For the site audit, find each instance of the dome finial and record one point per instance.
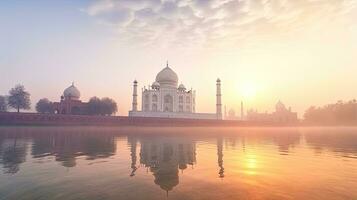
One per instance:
(72, 83)
(167, 63)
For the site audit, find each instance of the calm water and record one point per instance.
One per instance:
(178, 163)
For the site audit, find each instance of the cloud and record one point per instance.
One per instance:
(204, 22)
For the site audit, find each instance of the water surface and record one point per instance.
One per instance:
(177, 163)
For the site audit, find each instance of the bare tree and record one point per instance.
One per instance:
(19, 98)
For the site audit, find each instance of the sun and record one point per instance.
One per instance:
(248, 90)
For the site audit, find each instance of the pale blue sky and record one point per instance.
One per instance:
(302, 52)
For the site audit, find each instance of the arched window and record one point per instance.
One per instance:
(188, 100)
(154, 107)
(154, 98)
(168, 99)
(180, 99)
(168, 103)
(146, 97)
(180, 108)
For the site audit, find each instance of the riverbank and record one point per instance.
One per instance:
(37, 119)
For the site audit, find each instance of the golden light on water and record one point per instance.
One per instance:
(250, 164)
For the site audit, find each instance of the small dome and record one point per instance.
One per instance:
(167, 77)
(155, 85)
(181, 87)
(72, 93)
(280, 106)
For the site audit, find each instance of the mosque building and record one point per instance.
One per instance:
(165, 98)
(70, 102)
(280, 115)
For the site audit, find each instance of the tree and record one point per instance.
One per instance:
(104, 106)
(94, 106)
(340, 112)
(3, 104)
(44, 106)
(19, 98)
(108, 106)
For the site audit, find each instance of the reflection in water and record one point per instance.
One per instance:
(341, 140)
(12, 153)
(165, 156)
(247, 159)
(132, 142)
(66, 147)
(220, 156)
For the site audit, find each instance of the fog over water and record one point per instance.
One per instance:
(177, 163)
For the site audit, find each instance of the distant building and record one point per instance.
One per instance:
(281, 115)
(70, 103)
(166, 99)
(231, 115)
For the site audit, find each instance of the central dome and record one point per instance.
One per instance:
(72, 93)
(167, 77)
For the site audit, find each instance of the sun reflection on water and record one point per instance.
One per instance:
(250, 164)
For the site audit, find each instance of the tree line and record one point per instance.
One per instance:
(19, 99)
(95, 106)
(340, 112)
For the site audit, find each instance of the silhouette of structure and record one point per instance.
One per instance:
(281, 115)
(241, 111)
(231, 115)
(70, 102)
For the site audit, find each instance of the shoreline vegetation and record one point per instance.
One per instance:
(38, 119)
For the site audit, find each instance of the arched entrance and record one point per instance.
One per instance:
(168, 103)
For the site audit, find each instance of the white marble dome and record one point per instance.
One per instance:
(182, 87)
(72, 93)
(155, 85)
(167, 77)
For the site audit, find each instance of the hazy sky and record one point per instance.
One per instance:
(302, 52)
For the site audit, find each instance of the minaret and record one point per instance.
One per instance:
(225, 112)
(135, 96)
(219, 100)
(241, 110)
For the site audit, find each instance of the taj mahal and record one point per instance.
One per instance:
(166, 99)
